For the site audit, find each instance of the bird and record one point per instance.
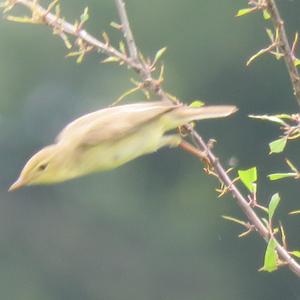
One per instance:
(110, 137)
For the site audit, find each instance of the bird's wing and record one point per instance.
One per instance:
(112, 123)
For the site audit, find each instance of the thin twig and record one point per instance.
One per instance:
(145, 70)
(245, 207)
(120, 4)
(285, 47)
(192, 150)
(154, 86)
(59, 24)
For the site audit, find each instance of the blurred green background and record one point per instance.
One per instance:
(151, 229)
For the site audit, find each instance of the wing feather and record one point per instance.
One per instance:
(112, 123)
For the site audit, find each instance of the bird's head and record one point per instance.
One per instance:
(41, 168)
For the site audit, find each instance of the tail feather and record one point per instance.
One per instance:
(186, 114)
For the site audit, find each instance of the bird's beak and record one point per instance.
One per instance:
(17, 184)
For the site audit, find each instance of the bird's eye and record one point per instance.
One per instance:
(42, 167)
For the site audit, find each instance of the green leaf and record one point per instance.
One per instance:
(110, 59)
(271, 257)
(85, 16)
(122, 47)
(275, 119)
(297, 62)
(66, 41)
(295, 253)
(197, 103)
(266, 14)
(75, 53)
(159, 54)
(277, 176)
(278, 146)
(244, 11)
(295, 212)
(80, 58)
(24, 19)
(249, 177)
(270, 34)
(115, 25)
(285, 116)
(273, 205)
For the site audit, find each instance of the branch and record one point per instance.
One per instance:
(144, 70)
(61, 26)
(120, 4)
(285, 47)
(245, 206)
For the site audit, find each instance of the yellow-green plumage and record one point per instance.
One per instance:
(110, 137)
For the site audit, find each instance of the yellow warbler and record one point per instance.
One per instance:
(107, 138)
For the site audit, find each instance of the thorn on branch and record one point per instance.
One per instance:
(50, 7)
(116, 25)
(249, 227)
(283, 236)
(247, 232)
(8, 5)
(275, 44)
(224, 189)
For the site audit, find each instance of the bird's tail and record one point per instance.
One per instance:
(186, 114)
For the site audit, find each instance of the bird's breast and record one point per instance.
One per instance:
(112, 154)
